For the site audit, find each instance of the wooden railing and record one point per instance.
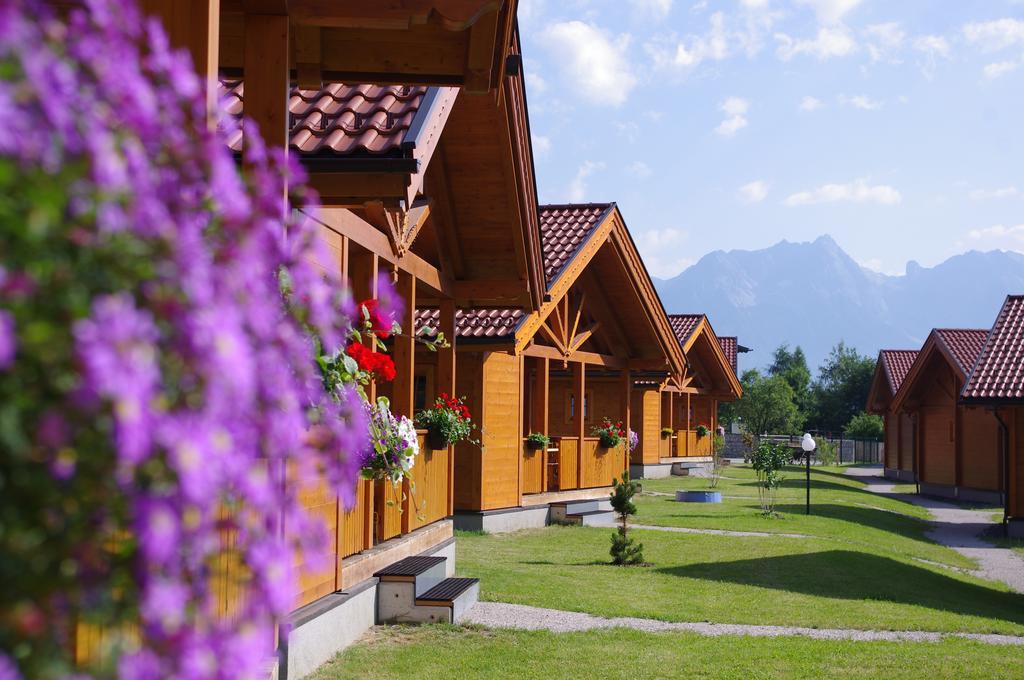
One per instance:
(600, 466)
(428, 491)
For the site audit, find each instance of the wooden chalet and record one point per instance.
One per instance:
(410, 118)
(890, 371)
(558, 371)
(996, 384)
(956, 446)
(674, 410)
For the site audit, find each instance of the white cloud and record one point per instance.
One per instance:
(884, 40)
(860, 101)
(639, 169)
(735, 110)
(999, 69)
(594, 63)
(755, 192)
(578, 185)
(535, 83)
(830, 11)
(858, 191)
(541, 144)
(988, 194)
(809, 103)
(629, 129)
(726, 36)
(663, 251)
(934, 45)
(755, 4)
(828, 43)
(1000, 236)
(995, 35)
(656, 9)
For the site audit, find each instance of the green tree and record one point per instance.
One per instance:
(768, 405)
(624, 549)
(865, 426)
(844, 381)
(792, 367)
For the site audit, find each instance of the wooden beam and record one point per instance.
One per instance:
(579, 383)
(404, 352)
(363, 266)
(603, 360)
(308, 68)
(447, 228)
(415, 218)
(494, 291)
(354, 189)
(193, 25)
(541, 411)
(347, 223)
(267, 80)
(446, 381)
(480, 54)
(626, 395)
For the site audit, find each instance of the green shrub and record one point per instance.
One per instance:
(828, 452)
(624, 549)
(768, 460)
(865, 426)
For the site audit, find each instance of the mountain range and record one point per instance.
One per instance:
(814, 295)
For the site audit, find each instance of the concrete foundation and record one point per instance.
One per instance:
(650, 471)
(899, 475)
(1015, 527)
(504, 520)
(962, 494)
(323, 628)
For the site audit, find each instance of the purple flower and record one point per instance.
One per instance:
(8, 671)
(8, 342)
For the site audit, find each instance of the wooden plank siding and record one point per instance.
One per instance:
(907, 438)
(428, 489)
(534, 461)
(981, 446)
(938, 447)
(647, 423)
(568, 458)
(357, 523)
(1014, 419)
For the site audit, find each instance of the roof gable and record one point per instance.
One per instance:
(998, 374)
(958, 347)
(684, 326)
(564, 230)
(891, 370)
(697, 339)
(729, 347)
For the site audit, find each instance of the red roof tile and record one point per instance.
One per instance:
(999, 372)
(476, 323)
(897, 363)
(964, 344)
(563, 231)
(728, 344)
(683, 325)
(341, 119)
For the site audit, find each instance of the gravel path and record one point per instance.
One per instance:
(959, 528)
(713, 532)
(503, 615)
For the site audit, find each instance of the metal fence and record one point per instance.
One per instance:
(848, 451)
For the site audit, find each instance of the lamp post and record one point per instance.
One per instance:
(808, 445)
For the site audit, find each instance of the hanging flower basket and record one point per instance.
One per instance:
(666, 432)
(436, 439)
(394, 444)
(447, 422)
(702, 431)
(536, 441)
(610, 434)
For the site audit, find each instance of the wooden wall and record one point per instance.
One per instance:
(979, 439)
(892, 440)
(938, 448)
(1014, 419)
(489, 479)
(646, 420)
(907, 442)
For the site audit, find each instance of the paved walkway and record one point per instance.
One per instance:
(959, 528)
(503, 615)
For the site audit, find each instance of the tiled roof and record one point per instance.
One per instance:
(476, 323)
(964, 344)
(728, 344)
(999, 371)
(897, 363)
(564, 229)
(340, 119)
(683, 325)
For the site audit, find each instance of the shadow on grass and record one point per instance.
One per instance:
(848, 575)
(884, 520)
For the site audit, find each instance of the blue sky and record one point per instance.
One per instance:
(896, 127)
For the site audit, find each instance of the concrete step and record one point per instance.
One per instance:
(452, 597)
(423, 572)
(562, 510)
(596, 518)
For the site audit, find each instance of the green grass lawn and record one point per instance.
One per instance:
(456, 652)
(841, 511)
(865, 565)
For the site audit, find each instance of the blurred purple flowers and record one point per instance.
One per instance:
(185, 344)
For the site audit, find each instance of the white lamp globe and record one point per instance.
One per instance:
(807, 443)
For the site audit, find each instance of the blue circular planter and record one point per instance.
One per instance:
(699, 496)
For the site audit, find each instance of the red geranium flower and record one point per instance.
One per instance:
(380, 325)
